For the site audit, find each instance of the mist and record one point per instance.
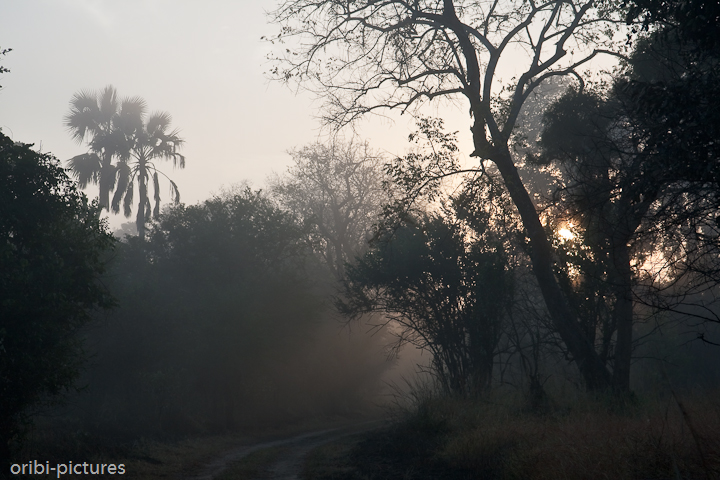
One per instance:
(276, 240)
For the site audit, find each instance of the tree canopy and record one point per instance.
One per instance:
(121, 130)
(53, 247)
(363, 57)
(220, 326)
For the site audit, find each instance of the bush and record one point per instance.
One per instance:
(52, 247)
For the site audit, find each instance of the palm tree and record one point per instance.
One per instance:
(149, 141)
(118, 130)
(98, 119)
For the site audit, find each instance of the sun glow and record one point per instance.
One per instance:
(566, 234)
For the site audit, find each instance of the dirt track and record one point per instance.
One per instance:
(289, 465)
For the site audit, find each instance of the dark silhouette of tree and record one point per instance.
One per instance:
(642, 180)
(149, 141)
(120, 130)
(696, 19)
(437, 270)
(104, 122)
(3, 52)
(52, 250)
(223, 323)
(447, 294)
(362, 57)
(608, 192)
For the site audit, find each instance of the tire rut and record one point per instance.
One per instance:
(290, 463)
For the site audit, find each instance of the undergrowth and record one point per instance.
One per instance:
(584, 437)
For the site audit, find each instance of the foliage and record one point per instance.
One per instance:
(367, 56)
(446, 293)
(220, 327)
(419, 175)
(640, 184)
(52, 253)
(3, 52)
(121, 130)
(695, 18)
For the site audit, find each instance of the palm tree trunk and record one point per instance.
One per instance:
(107, 179)
(140, 220)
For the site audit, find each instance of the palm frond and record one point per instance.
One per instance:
(178, 160)
(118, 143)
(174, 192)
(83, 117)
(156, 186)
(108, 103)
(108, 176)
(157, 123)
(135, 106)
(84, 99)
(131, 116)
(85, 168)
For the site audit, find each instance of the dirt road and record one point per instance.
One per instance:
(288, 465)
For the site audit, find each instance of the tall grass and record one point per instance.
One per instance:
(586, 438)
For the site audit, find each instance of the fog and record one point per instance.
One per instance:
(245, 268)
(155, 366)
(205, 64)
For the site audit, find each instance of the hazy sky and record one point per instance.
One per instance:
(202, 62)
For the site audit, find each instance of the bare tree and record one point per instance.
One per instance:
(366, 56)
(336, 190)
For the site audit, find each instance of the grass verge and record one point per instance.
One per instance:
(441, 438)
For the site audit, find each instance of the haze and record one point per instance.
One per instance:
(203, 62)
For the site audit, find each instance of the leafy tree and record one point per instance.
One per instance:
(52, 249)
(447, 294)
(220, 326)
(640, 175)
(696, 19)
(365, 56)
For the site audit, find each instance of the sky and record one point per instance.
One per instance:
(203, 62)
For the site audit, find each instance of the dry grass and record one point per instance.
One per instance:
(496, 438)
(591, 441)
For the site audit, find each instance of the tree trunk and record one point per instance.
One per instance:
(140, 221)
(107, 178)
(593, 370)
(624, 318)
